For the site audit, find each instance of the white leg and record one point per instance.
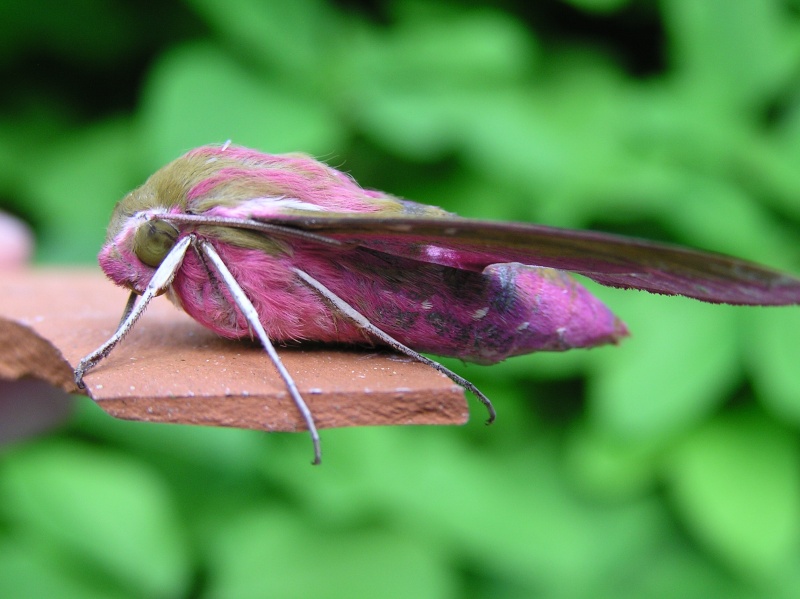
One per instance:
(161, 280)
(361, 321)
(251, 315)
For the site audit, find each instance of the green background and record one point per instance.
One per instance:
(667, 467)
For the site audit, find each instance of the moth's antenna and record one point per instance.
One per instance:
(251, 315)
(161, 279)
(363, 322)
(248, 224)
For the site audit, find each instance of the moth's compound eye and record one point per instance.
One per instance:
(153, 241)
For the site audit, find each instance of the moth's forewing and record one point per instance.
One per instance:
(612, 260)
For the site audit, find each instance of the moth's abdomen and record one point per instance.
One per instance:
(506, 310)
(539, 309)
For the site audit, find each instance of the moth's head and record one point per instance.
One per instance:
(135, 248)
(135, 245)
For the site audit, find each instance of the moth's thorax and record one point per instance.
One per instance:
(229, 182)
(165, 191)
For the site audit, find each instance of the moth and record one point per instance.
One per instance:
(286, 248)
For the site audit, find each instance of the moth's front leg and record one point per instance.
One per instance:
(158, 284)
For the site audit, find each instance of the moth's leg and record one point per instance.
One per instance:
(361, 321)
(128, 308)
(159, 283)
(251, 315)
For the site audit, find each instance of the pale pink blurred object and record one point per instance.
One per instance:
(16, 242)
(28, 407)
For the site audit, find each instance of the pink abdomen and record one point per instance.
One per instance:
(506, 310)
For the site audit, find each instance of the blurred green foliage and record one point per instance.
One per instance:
(667, 467)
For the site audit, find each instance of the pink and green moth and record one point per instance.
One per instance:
(286, 248)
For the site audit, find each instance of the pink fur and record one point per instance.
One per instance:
(293, 176)
(119, 262)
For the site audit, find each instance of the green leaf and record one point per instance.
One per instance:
(720, 216)
(417, 88)
(772, 165)
(676, 368)
(77, 181)
(547, 137)
(99, 508)
(600, 6)
(210, 450)
(83, 31)
(772, 356)
(196, 95)
(514, 140)
(416, 124)
(676, 568)
(272, 553)
(28, 572)
(483, 507)
(607, 467)
(438, 45)
(734, 53)
(294, 35)
(736, 484)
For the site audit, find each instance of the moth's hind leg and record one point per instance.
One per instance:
(347, 311)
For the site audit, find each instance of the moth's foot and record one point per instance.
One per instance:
(79, 378)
